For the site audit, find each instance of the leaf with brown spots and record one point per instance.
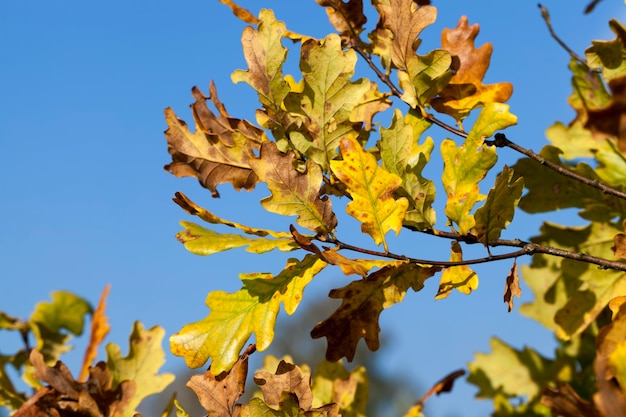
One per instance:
(363, 301)
(219, 150)
(371, 188)
(466, 90)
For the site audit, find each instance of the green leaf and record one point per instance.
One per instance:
(512, 373)
(609, 55)
(612, 167)
(425, 77)
(66, 311)
(265, 56)
(141, 365)
(573, 140)
(371, 188)
(362, 303)
(550, 191)
(497, 212)
(569, 294)
(466, 165)
(201, 241)
(294, 193)
(403, 156)
(328, 99)
(9, 396)
(234, 317)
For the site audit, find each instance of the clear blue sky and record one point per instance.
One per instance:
(85, 200)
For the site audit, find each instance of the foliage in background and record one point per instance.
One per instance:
(317, 147)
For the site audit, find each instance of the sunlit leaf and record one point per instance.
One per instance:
(371, 188)
(425, 76)
(201, 241)
(460, 278)
(327, 100)
(192, 208)
(265, 56)
(466, 90)
(610, 56)
(234, 317)
(141, 365)
(362, 303)
(294, 193)
(286, 378)
(466, 165)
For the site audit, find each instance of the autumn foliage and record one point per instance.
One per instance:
(316, 145)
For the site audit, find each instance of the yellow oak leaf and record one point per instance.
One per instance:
(466, 90)
(371, 188)
(218, 151)
(235, 316)
(466, 165)
(461, 277)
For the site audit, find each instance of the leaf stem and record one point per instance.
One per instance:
(501, 141)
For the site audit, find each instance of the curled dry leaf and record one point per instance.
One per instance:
(512, 287)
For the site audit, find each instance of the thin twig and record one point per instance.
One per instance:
(501, 141)
(546, 18)
(526, 248)
(396, 92)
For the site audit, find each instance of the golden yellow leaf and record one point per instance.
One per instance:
(371, 188)
(461, 277)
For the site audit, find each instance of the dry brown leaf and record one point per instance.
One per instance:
(64, 396)
(565, 402)
(218, 395)
(619, 243)
(218, 151)
(396, 35)
(512, 287)
(99, 329)
(346, 17)
(287, 378)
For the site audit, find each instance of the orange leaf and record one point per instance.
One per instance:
(619, 247)
(466, 90)
(99, 329)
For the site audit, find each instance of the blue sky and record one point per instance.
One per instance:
(85, 200)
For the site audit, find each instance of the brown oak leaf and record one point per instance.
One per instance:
(218, 395)
(218, 151)
(363, 301)
(287, 378)
(512, 287)
(347, 17)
